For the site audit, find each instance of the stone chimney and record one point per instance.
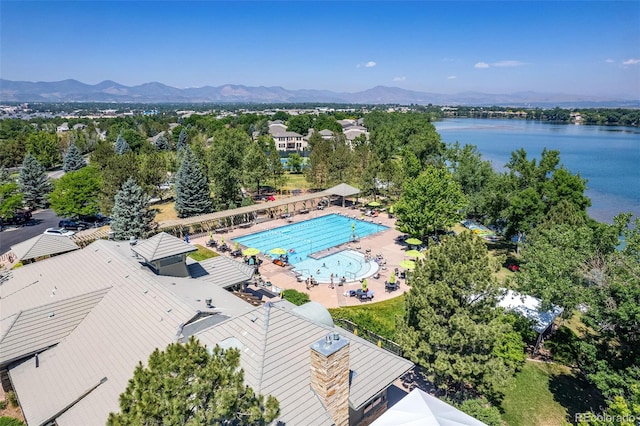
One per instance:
(330, 375)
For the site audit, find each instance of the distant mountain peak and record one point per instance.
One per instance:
(71, 90)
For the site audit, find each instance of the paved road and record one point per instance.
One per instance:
(40, 221)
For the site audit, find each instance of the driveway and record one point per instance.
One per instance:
(41, 220)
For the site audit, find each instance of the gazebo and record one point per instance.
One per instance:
(343, 190)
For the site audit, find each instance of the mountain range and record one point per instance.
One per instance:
(110, 91)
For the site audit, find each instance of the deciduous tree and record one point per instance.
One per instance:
(10, 199)
(225, 165)
(45, 148)
(429, 202)
(255, 165)
(76, 193)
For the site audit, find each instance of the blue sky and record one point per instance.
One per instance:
(572, 47)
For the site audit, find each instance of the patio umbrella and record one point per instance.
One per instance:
(392, 279)
(364, 284)
(250, 251)
(235, 246)
(408, 264)
(413, 241)
(278, 251)
(414, 253)
(374, 204)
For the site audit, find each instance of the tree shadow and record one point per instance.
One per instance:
(575, 394)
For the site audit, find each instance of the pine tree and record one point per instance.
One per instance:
(162, 144)
(73, 159)
(188, 385)
(131, 216)
(451, 326)
(34, 183)
(182, 140)
(121, 145)
(193, 196)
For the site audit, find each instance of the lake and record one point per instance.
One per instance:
(608, 157)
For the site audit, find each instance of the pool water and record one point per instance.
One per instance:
(307, 243)
(349, 264)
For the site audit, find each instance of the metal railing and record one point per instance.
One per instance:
(376, 339)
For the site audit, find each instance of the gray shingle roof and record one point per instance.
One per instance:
(43, 245)
(136, 315)
(38, 328)
(140, 311)
(343, 190)
(276, 360)
(162, 245)
(221, 271)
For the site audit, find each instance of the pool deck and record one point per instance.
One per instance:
(381, 243)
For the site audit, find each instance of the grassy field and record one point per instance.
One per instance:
(165, 211)
(546, 394)
(379, 317)
(202, 253)
(296, 181)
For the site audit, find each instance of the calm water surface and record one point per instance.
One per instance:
(608, 157)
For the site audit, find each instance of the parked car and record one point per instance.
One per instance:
(58, 231)
(95, 221)
(73, 224)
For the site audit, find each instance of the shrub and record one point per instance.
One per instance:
(12, 398)
(482, 410)
(10, 421)
(3, 404)
(296, 297)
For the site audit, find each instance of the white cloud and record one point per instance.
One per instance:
(508, 64)
(609, 60)
(370, 64)
(631, 61)
(400, 78)
(451, 77)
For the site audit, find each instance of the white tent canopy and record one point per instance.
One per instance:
(529, 307)
(419, 408)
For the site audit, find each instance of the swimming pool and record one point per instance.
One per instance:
(306, 241)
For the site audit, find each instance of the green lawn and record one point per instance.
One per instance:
(379, 317)
(546, 394)
(202, 253)
(296, 181)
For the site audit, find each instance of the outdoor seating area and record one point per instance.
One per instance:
(361, 294)
(389, 287)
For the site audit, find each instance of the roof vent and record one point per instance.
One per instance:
(208, 302)
(133, 241)
(51, 314)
